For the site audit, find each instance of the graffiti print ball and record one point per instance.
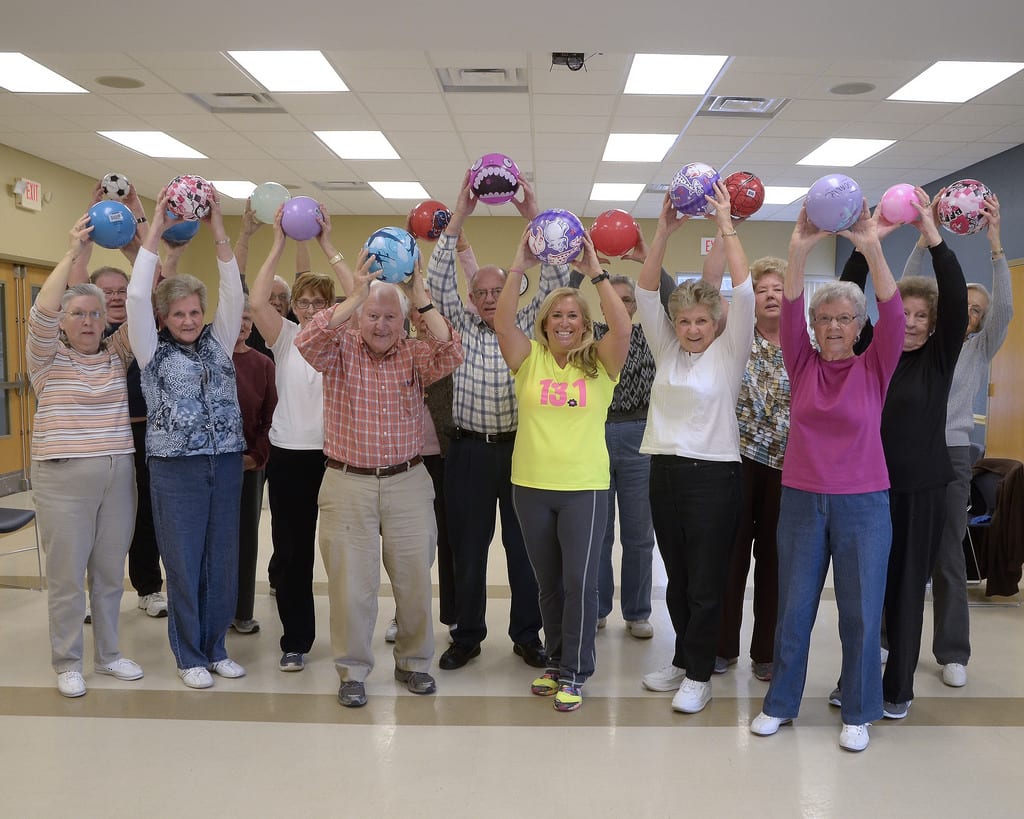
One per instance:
(960, 207)
(396, 253)
(188, 196)
(555, 236)
(689, 187)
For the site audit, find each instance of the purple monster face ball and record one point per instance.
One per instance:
(494, 179)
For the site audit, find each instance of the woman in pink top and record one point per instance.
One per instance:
(835, 498)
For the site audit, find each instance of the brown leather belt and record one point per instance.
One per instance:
(376, 471)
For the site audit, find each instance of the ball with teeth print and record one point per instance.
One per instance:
(494, 179)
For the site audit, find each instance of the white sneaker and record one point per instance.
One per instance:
(954, 675)
(668, 678)
(884, 655)
(854, 737)
(228, 668)
(123, 669)
(765, 726)
(602, 622)
(641, 629)
(155, 604)
(692, 696)
(196, 677)
(391, 634)
(71, 683)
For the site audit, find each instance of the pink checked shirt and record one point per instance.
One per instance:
(373, 407)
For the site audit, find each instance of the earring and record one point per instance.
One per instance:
(857, 338)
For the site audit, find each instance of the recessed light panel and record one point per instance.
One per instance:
(23, 75)
(358, 144)
(400, 190)
(672, 73)
(302, 71)
(616, 191)
(783, 194)
(637, 147)
(845, 153)
(153, 143)
(952, 81)
(235, 188)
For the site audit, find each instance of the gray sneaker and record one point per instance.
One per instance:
(352, 694)
(418, 682)
(896, 710)
(291, 661)
(836, 697)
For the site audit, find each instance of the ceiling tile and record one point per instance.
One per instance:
(484, 102)
(248, 123)
(404, 103)
(381, 78)
(589, 105)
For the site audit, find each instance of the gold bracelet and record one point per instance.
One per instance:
(726, 235)
(222, 241)
(998, 252)
(337, 257)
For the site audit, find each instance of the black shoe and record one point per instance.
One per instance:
(457, 656)
(532, 653)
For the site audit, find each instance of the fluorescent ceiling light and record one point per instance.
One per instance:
(23, 75)
(672, 73)
(153, 143)
(637, 147)
(845, 153)
(358, 144)
(951, 81)
(616, 191)
(235, 188)
(782, 194)
(400, 190)
(290, 70)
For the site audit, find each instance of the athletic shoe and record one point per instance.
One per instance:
(227, 668)
(291, 661)
(896, 710)
(196, 677)
(765, 726)
(71, 683)
(391, 632)
(88, 617)
(352, 694)
(854, 737)
(668, 678)
(641, 629)
(602, 622)
(418, 682)
(884, 655)
(546, 684)
(249, 626)
(836, 697)
(722, 664)
(155, 604)
(692, 696)
(763, 671)
(123, 669)
(569, 697)
(954, 675)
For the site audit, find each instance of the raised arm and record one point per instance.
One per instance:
(1000, 310)
(805, 236)
(669, 221)
(418, 298)
(250, 224)
(735, 255)
(230, 296)
(335, 259)
(514, 343)
(865, 235)
(614, 345)
(56, 283)
(441, 269)
(264, 315)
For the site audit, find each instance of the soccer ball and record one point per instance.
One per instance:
(960, 207)
(115, 186)
(690, 186)
(189, 196)
(555, 236)
(746, 194)
(396, 253)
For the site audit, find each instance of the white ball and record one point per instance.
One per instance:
(115, 186)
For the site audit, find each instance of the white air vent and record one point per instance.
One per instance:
(238, 103)
(751, 107)
(342, 185)
(508, 78)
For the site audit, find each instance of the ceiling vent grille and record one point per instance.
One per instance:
(238, 103)
(747, 107)
(342, 185)
(508, 79)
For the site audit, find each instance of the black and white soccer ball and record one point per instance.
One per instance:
(115, 186)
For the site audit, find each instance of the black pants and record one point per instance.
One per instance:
(143, 554)
(248, 541)
(445, 561)
(294, 477)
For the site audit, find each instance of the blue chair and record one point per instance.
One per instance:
(11, 520)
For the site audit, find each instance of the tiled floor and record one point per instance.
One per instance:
(276, 744)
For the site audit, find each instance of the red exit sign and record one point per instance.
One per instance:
(30, 194)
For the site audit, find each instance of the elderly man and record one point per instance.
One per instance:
(479, 464)
(376, 497)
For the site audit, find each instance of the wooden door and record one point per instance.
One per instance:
(1004, 437)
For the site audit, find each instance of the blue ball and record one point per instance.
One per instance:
(180, 232)
(396, 253)
(113, 225)
(555, 236)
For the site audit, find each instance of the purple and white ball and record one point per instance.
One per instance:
(834, 202)
(689, 187)
(555, 236)
(494, 179)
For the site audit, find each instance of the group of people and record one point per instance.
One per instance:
(721, 428)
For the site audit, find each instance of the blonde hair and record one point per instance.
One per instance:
(694, 293)
(767, 265)
(584, 356)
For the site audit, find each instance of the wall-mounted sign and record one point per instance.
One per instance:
(28, 194)
(706, 243)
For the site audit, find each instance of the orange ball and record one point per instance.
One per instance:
(429, 219)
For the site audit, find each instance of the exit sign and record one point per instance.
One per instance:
(706, 243)
(29, 194)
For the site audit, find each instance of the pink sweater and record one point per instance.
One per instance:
(835, 447)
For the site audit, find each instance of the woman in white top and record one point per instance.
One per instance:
(693, 439)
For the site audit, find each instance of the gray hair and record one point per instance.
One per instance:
(988, 299)
(287, 287)
(87, 289)
(618, 278)
(376, 286)
(834, 291)
(693, 293)
(108, 270)
(175, 289)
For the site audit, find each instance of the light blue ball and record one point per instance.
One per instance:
(396, 253)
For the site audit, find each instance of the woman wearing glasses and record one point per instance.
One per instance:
(835, 498)
(296, 465)
(83, 475)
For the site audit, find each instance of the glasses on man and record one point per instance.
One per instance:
(111, 293)
(494, 292)
(843, 320)
(305, 304)
(80, 315)
(278, 297)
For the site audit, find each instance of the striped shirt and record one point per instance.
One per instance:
(81, 400)
(373, 407)
(484, 390)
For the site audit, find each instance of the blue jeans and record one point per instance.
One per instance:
(630, 480)
(855, 532)
(195, 508)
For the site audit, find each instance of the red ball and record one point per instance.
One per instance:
(746, 192)
(429, 219)
(614, 232)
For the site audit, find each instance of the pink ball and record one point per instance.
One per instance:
(898, 204)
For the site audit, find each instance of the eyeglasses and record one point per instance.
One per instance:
(494, 292)
(843, 321)
(111, 293)
(278, 297)
(305, 304)
(80, 315)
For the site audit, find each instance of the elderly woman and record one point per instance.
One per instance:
(83, 477)
(564, 381)
(835, 500)
(194, 443)
(694, 443)
(296, 466)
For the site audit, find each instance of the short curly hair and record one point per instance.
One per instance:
(693, 293)
(921, 287)
(176, 288)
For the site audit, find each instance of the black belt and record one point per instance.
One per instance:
(376, 471)
(486, 437)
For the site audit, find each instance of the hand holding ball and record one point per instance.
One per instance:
(301, 218)
(960, 207)
(689, 187)
(189, 197)
(494, 179)
(113, 225)
(746, 194)
(555, 236)
(897, 204)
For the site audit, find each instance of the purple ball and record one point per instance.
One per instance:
(834, 202)
(300, 218)
(690, 186)
(494, 179)
(556, 236)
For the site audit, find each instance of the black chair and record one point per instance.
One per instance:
(11, 520)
